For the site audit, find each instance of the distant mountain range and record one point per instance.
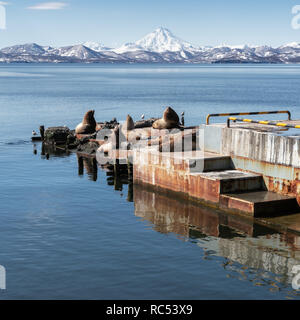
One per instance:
(160, 46)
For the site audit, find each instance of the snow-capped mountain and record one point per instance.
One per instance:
(96, 46)
(29, 48)
(159, 46)
(160, 40)
(289, 52)
(78, 51)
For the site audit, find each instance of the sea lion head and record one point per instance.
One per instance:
(89, 118)
(129, 124)
(170, 115)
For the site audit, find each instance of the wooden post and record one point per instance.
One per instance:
(42, 132)
(117, 167)
(172, 144)
(194, 139)
(130, 170)
(160, 143)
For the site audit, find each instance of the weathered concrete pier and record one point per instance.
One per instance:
(241, 166)
(245, 169)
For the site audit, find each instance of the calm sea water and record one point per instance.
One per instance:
(65, 235)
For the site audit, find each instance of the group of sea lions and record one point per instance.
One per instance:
(169, 120)
(123, 135)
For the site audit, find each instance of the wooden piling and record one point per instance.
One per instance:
(130, 170)
(42, 132)
(117, 167)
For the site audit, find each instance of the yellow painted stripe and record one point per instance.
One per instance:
(264, 122)
(232, 118)
(247, 120)
(281, 124)
(298, 126)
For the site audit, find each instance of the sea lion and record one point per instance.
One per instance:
(127, 132)
(145, 123)
(169, 120)
(128, 125)
(88, 124)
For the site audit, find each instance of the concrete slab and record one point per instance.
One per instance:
(189, 161)
(260, 203)
(229, 175)
(234, 180)
(260, 196)
(204, 161)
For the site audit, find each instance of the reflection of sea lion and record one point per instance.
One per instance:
(169, 120)
(88, 124)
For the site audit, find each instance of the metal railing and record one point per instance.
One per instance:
(245, 114)
(270, 123)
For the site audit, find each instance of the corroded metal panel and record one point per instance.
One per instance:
(277, 178)
(228, 202)
(204, 189)
(261, 146)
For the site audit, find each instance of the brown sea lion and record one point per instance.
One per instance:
(169, 120)
(88, 124)
(127, 128)
(128, 125)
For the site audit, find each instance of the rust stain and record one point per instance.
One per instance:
(163, 171)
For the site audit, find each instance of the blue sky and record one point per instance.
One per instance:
(113, 23)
